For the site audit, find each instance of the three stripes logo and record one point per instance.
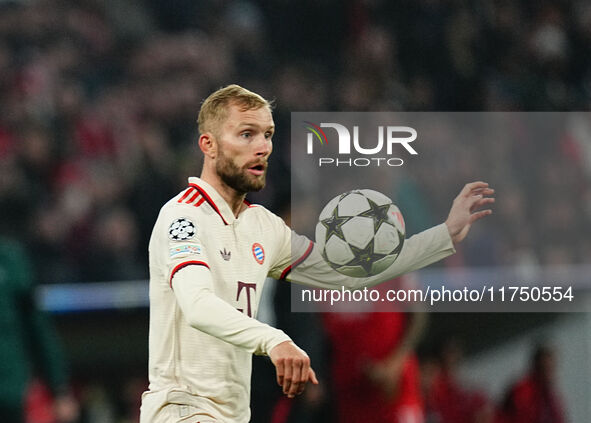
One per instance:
(192, 196)
(258, 253)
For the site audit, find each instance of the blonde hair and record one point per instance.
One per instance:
(214, 108)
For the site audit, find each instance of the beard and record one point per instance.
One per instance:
(238, 178)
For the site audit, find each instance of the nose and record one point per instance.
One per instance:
(264, 147)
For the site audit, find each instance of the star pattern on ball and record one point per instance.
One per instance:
(398, 249)
(365, 257)
(334, 223)
(378, 213)
(351, 244)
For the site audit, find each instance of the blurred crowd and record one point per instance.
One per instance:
(99, 102)
(531, 397)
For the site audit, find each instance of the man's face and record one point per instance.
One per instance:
(244, 145)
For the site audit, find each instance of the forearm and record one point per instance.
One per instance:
(208, 313)
(420, 250)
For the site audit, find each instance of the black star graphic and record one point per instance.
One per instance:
(365, 257)
(379, 214)
(333, 224)
(398, 249)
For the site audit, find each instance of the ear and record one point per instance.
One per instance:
(208, 144)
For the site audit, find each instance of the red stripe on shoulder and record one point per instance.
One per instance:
(192, 198)
(186, 194)
(209, 200)
(297, 262)
(183, 265)
(201, 201)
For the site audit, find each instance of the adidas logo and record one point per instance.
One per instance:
(226, 254)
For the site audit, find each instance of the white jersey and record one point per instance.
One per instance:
(197, 231)
(207, 270)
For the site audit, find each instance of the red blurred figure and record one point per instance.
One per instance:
(375, 371)
(447, 400)
(534, 399)
(43, 407)
(38, 404)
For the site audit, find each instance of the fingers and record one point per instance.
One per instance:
(482, 192)
(308, 376)
(478, 201)
(280, 366)
(479, 215)
(288, 375)
(298, 379)
(297, 383)
(469, 188)
(466, 207)
(305, 376)
(481, 202)
(472, 192)
(293, 368)
(312, 376)
(293, 374)
(297, 373)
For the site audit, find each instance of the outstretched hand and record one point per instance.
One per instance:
(465, 209)
(293, 368)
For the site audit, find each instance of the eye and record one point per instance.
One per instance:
(268, 135)
(246, 134)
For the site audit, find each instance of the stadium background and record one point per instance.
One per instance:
(97, 131)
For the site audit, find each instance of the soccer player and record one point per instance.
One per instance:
(210, 252)
(28, 342)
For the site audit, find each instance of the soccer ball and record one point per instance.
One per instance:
(360, 233)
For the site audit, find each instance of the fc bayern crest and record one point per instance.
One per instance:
(181, 230)
(258, 252)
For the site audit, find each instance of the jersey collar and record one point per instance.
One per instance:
(214, 199)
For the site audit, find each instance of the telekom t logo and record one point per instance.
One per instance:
(248, 286)
(388, 135)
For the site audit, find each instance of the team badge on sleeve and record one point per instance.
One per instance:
(258, 253)
(181, 230)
